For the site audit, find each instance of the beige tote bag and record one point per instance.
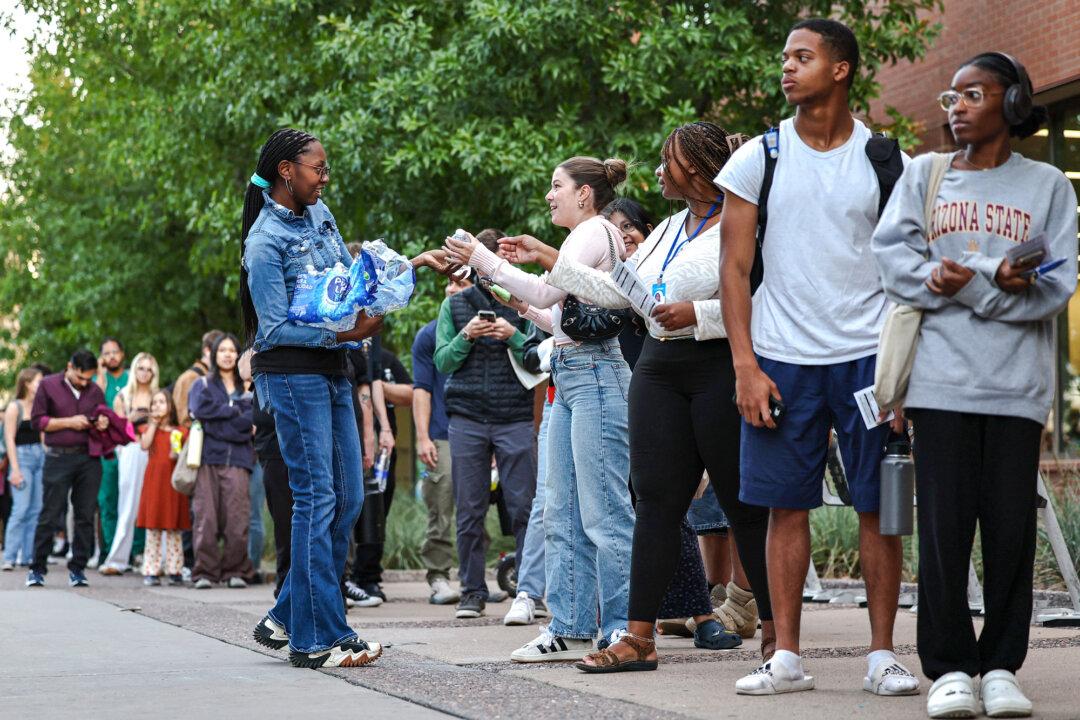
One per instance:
(900, 334)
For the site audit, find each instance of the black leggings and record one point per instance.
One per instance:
(683, 422)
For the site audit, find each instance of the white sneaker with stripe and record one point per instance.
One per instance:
(549, 648)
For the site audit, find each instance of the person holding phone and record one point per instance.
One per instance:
(491, 413)
(983, 379)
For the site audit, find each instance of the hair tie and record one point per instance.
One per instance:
(256, 179)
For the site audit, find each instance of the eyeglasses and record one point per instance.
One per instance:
(323, 170)
(627, 227)
(972, 97)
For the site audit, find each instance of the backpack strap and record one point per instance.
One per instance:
(770, 146)
(884, 155)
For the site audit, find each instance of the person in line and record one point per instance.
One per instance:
(635, 223)
(682, 421)
(163, 512)
(66, 406)
(983, 379)
(301, 378)
(491, 414)
(111, 378)
(26, 457)
(182, 387)
(133, 403)
(810, 343)
(392, 387)
(221, 503)
(588, 518)
(433, 448)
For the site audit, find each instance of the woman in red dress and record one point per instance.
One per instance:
(162, 511)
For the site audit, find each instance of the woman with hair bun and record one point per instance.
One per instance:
(982, 382)
(588, 518)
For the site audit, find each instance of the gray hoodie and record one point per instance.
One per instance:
(983, 350)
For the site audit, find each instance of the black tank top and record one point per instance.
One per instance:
(25, 434)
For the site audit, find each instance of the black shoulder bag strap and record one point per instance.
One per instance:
(884, 155)
(770, 146)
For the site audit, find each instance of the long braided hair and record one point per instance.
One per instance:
(706, 147)
(286, 144)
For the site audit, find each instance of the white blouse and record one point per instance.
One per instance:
(693, 275)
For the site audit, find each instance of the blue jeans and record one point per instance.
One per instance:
(530, 566)
(256, 534)
(25, 505)
(588, 519)
(316, 429)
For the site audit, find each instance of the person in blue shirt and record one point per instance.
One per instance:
(300, 374)
(433, 447)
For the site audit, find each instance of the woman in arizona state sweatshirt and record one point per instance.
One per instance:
(983, 378)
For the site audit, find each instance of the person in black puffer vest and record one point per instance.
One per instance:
(490, 412)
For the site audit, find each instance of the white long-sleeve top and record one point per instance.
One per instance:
(692, 276)
(587, 244)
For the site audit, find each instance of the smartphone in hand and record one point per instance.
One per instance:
(486, 315)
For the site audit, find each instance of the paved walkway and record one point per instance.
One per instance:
(118, 650)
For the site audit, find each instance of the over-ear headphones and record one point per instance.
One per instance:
(1016, 105)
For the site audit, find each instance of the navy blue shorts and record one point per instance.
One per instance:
(784, 468)
(705, 514)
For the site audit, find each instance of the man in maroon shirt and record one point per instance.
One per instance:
(65, 408)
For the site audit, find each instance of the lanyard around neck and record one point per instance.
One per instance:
(676, 246)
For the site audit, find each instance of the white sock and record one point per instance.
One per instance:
(874, 659)
(787, 664)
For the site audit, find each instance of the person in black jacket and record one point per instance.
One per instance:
(490, 412)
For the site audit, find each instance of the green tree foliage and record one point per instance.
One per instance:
(132, 149)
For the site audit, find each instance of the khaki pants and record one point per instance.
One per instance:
(437, 551)
(222, 510)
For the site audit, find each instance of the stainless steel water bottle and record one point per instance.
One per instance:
(897, 513)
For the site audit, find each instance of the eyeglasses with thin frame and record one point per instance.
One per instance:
(323, 170)
(972, 97)
(627, 227)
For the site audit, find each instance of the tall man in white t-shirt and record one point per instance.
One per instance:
(810, 342)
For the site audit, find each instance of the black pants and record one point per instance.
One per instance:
(367, 564)
(683, 422)
(975, 468)
(279, 501)
(77, 475)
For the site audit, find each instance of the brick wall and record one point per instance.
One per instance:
(1042, 34)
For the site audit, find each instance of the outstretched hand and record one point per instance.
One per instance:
(460, 250)
(521, 249)
(437, 260)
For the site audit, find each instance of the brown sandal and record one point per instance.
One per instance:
(608, 662)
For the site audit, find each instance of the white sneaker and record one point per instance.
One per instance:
(1002, 696)
(442, 593)
(7, 567)
(952, 696)
(522, 612)
(549, 648)
(888, 676)
(774, 678)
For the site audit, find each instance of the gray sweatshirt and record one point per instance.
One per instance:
(983, 350)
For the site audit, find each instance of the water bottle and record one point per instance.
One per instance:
(897, 512)
(382, 469)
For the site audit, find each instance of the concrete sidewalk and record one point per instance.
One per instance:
(184, 650)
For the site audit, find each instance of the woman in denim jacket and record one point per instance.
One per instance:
(300, 374)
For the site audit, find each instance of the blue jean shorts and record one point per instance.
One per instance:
(706, 516)
(784, 468)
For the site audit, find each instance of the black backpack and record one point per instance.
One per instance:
(884, 155)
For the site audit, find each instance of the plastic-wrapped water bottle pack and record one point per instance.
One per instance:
(379, 281)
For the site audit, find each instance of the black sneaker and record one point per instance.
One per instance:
(35, 579)
(374, 590)
(269, 634)
(471, 606)
(360, 597)
(76, 578)
(351, 653)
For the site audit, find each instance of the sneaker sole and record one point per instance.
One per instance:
(568, 656)
(444, 601)
(517, 621)
(263, 636)
(304, 660)
(467, 614)
(784, 686)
